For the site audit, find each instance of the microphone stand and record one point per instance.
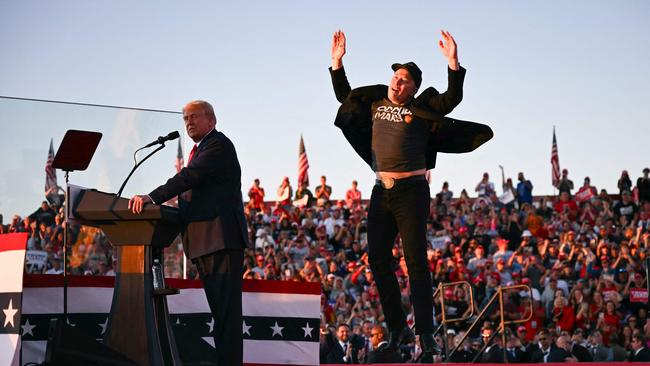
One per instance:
(137, 164)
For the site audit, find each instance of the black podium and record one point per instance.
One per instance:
(138, 325)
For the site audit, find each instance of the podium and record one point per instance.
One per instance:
(138, 324)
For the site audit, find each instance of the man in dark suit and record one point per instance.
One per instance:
(639, 353)
(339, 348)
(539, 352)
(398, 135)
(515, 351)
(380, 353)
(562, 353)
(215, 232)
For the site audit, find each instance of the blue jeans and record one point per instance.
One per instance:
(404, 208)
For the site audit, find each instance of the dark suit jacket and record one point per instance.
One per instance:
(384, 355)
(535, 354)
(520, 356)
(210, 199)
(494, 354)
(332, 352)
(558, 355)
(581, 353)
(643, 356)
(447, 135)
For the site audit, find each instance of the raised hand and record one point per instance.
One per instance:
(338, 49)
(447, 46)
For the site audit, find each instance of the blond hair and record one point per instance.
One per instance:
(205, 106)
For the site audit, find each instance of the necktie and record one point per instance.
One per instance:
(191, 155)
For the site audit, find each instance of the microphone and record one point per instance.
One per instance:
(161, 140)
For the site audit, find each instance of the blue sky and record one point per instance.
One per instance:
(579, 65)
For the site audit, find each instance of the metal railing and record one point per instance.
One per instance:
(444, 321)
(498, 296)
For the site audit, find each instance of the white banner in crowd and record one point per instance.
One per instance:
(440, 242)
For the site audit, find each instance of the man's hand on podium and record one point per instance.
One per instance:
(136, 203)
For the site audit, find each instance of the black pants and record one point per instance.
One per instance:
(404, 208)
(221, 273)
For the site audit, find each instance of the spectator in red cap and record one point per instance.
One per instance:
(477, 260)
(502, 250)
(504, 272)
(460, 273)
(259, 265)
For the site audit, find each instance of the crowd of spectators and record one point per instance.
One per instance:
(583, 254)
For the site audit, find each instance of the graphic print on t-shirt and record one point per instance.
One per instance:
(393, 114)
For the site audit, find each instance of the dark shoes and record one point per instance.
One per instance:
(396, 339)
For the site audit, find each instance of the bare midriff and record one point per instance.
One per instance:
(400, 175)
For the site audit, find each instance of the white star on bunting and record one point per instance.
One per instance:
(10, 312)
(28, 328)
(277, 330)
(211, 325)
(307, 329)
(246, 328)
(103, 326)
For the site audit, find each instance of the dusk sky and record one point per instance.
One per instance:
(580, 66)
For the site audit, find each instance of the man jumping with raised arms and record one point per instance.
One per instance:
(398, 135)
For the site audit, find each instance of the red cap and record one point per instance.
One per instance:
(449, 292)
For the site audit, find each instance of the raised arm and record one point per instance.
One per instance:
(339, 80)
(446, 102)
(447, 46)
(338, 49)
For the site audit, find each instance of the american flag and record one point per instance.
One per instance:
(50, 173)
(303, 164)
(180, 163)
(555, 162)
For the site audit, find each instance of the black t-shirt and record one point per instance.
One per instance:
(625, 209)
(399, 140)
